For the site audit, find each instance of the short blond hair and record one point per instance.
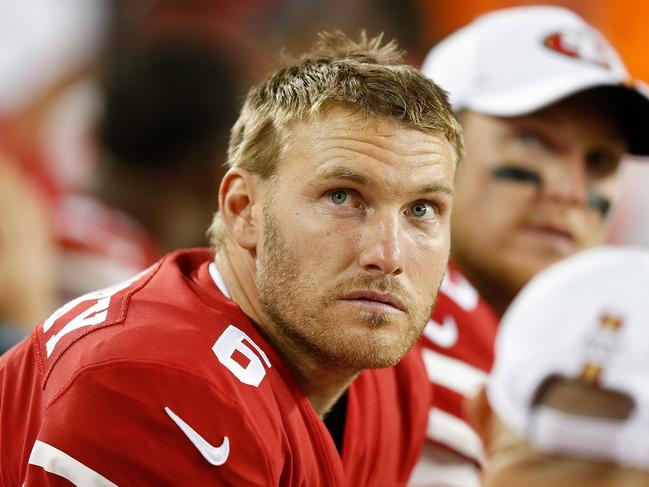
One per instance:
(365, 76)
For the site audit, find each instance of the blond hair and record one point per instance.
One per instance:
(365, 76)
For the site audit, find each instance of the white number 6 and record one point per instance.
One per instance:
(231, 340)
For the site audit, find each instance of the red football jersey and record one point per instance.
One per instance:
(457, 348)
(163, 380)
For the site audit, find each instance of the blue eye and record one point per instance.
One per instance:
(419, 209)
(338, 196)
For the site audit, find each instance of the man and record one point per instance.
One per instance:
(548, 110)
(567, 402)
(217, 369)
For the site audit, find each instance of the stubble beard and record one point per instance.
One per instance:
(295, 304)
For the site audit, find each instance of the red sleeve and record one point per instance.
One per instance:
(121, 423)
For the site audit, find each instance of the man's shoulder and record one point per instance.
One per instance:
(162, 316)
(218, 398)
(166, 421)
(162, 354)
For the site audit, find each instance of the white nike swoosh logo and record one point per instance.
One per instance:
(216, 455)
(461, 292)
(444, 335)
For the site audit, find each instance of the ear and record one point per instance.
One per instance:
(238, 195)
(479, 414)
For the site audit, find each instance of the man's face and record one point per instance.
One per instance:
(356, 232)
(506, 228)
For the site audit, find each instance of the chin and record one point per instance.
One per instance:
(373, 348)
(368, 358)
(519, 270)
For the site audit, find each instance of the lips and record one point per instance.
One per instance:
(553, 235)
(553, 229)
(375, 297)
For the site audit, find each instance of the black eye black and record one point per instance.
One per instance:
(338, 196)
(517, 174)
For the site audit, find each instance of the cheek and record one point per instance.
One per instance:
(321, 240)
(606, 188)
(426, 261)
(475, 189)
(489, 206)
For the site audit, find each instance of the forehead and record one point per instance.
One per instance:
(570, 121)
(343, 138)
(586, 109)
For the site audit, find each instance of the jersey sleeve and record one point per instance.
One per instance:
(147, 424)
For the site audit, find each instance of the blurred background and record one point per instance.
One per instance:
(114, 117)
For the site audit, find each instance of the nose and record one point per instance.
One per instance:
(565, 180)
(381, 244)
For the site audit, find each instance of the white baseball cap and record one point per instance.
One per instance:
(515, 61)
(584, 318)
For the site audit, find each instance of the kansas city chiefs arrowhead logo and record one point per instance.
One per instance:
(580, 45)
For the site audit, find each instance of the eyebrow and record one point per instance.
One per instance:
(436, 188)
(345, 173)
(350, 175)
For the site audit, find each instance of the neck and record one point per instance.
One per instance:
(322, 383)
(498, 299)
